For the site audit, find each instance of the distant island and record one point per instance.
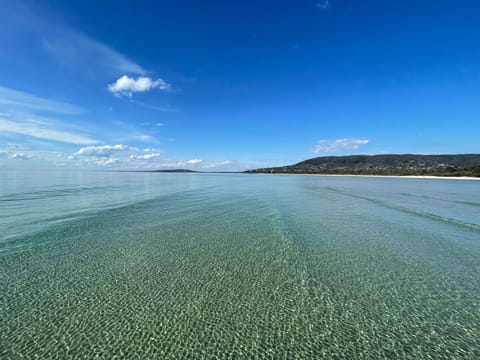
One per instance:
(393, 165)
(173, 171)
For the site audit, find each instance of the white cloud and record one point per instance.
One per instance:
(124, 157)
(127, 85)
(324, 5)
(120, 155)
(103, 151)
(20, 156)
(175, 164)
(41, 130)
(194, 164)
(333, 146)
(145, 157)
(45, 158)
(107, 161)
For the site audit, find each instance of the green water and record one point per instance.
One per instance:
(193, 266)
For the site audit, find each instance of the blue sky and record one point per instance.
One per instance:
(221, 85)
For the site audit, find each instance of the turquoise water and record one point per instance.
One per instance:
(233, 266)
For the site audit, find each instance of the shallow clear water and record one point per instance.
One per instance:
(175, 266)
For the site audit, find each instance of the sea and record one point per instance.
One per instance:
(132, 265)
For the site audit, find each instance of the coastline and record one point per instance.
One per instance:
(426, 177)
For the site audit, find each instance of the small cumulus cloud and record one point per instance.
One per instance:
(126, 86)
(104, 150)
(21, 153)
(177, 164)
(145, 156)
(196, 164)
(14, 155)
(116, 157)
(19, 156)
(106, 161)
(333, 146)
(119, 155)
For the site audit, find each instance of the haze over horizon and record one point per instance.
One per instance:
(233, 86)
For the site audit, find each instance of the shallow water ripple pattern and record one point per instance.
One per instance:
(231, 266)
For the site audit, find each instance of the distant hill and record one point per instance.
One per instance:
(402, 165)
(174, 171)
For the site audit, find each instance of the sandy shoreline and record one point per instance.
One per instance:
(389, 176)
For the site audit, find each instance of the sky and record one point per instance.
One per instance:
(227, 86)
